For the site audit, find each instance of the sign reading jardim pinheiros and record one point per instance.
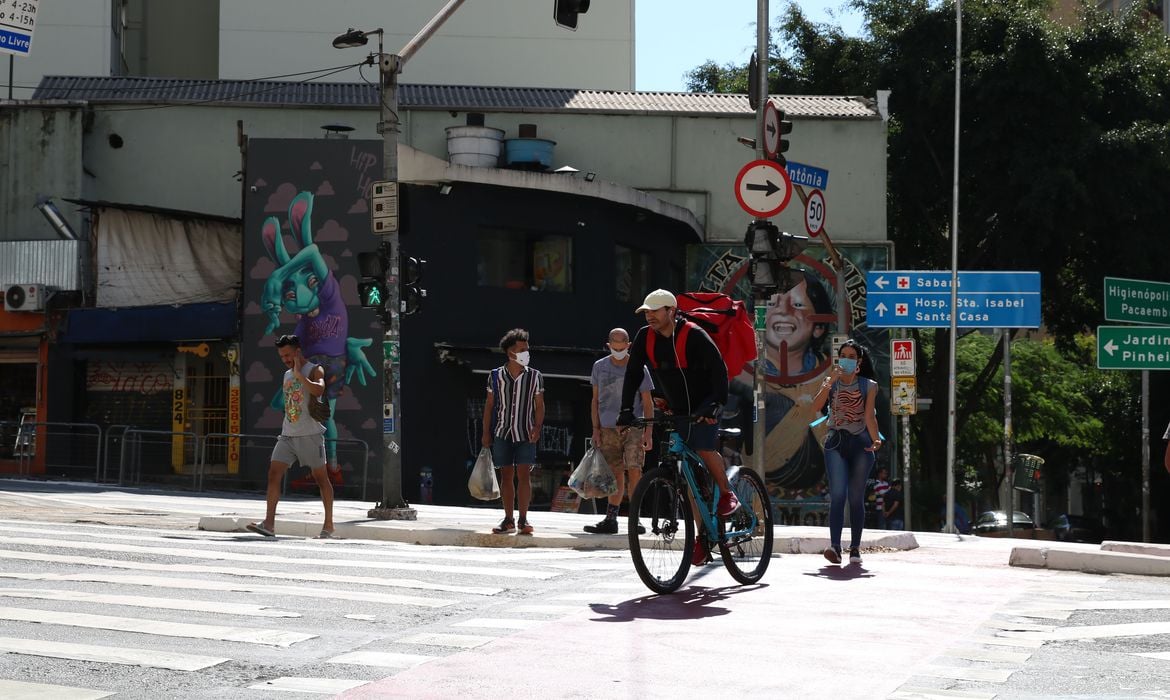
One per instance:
(17, 19)
(1137, 301)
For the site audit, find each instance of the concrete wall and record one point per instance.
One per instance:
(70, 38)
(40, 154)
(498, 42)
(173, 38)
(691, 161)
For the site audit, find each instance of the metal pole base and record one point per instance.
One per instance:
(381, 513)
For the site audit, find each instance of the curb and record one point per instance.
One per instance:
(1155, 550)
(1090, 562)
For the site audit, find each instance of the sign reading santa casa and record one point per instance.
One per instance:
(922, 299)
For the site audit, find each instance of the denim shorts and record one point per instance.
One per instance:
(700, 437)
(512, 453)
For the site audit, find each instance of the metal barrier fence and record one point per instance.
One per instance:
(158, 451)
(358, 453)
(105, 472)
(59, 456)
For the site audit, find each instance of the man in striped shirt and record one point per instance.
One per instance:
(512, 419)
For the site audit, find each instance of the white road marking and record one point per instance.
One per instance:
(1009, 626)
(166, 628)
(965, 673)
(207, 606)
(1039, 614)
(360, 617)
(106, 547)
(381, 658)
(16, 690)
(462, 641)
(149, 658)
(620, 586)
(256, 573)
(597, 597)
(548, 609)
(320, 686)
(1163, 655)
(1129, 629)
(992, 655)
(908, 692)
(500, 623)
(1003, 640)
(237, 587)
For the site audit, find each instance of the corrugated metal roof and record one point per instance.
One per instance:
(151, 91)
(48, 263)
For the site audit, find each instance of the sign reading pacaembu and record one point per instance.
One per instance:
(1137, 301)
(1133, 347)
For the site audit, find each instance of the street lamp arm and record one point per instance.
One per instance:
(427, 31)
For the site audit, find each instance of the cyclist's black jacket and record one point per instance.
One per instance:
(703, 382)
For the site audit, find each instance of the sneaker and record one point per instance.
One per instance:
(833, 554)
(525, 527)
(506, 527)
(854, 555)
(728, 503)
(641, 530)
(607, 526)
(699, 555)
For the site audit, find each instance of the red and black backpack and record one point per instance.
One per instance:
(724, 319)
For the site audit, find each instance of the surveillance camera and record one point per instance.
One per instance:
(253, 188)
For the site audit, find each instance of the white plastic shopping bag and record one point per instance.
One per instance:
(483, 484)
(593, 478)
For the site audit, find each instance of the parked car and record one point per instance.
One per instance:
(1078, 528)
(996, 521)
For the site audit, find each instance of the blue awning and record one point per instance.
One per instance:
(151, 324)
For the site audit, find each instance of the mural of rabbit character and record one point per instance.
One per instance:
(304, 285)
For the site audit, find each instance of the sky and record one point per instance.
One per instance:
(675, 36)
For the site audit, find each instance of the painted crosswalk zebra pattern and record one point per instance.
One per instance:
(227, 615)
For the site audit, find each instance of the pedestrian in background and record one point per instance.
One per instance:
(879, 486)
(512, 418)
(301, 437)
(851, 393)
(624, 450)
(895, 504)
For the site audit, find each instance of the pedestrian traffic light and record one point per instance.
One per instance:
(785, 129)
(565, 12)
(412, 292)
(372, 287)
(771, 250)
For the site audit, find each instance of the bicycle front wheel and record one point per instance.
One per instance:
(662, 556)
(745, 539)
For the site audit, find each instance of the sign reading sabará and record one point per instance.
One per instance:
(1137, 301)
(1133, 347)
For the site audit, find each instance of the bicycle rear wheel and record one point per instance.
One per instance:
(662, 556)
(745, 539)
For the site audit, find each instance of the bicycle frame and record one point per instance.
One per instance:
(684, 458)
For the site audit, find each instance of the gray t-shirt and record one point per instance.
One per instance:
(608, 378)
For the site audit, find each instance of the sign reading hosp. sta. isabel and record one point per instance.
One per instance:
(922, 299)
(1137, 301)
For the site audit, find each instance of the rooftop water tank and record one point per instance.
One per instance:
(528, 152)
(474, 144)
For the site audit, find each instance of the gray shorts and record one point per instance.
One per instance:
(309, 450)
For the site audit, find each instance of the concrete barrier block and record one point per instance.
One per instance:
(1154, 550)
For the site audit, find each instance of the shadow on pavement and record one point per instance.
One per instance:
(690, 603)
(841, 573)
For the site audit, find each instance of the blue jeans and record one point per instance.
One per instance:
(848, 466)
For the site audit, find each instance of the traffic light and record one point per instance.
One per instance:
(412, 292)
(565, 12)
(785, 129)
(771, 250)
(372, 287)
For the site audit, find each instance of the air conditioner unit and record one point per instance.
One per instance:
(24, 297)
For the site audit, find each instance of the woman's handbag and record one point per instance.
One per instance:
(483, 484)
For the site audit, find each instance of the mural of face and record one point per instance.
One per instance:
(789, 322)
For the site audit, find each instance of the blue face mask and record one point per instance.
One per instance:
(848, 364)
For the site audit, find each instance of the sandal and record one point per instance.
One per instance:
(326, 535)
(259, 529)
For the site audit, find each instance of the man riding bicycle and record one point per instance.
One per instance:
(689, 371)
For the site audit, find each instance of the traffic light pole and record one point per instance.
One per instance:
(759, 426)
(393, 506)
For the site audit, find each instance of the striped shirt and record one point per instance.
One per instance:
(515, 402)
(847, 405)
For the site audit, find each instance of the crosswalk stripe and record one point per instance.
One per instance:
(238, 587)
(500, 623)
(206, 606)
(549, 609)
(381, 658)
(17, 690)
(498, 572)
(1017, 626)
(150, 658)
(255, 573)
(992, 655)
(1129, 629)
(462, 641)
(249, 635)
(1008, 641)
(320, 686)
(1163, 655)
(965, 673)
(907, 692)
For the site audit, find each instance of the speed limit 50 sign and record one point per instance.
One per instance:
(814, 213)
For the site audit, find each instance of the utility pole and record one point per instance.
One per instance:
(760, 301)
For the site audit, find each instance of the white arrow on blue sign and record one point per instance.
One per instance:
(922, 299)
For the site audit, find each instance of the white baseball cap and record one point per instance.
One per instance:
(656, 300)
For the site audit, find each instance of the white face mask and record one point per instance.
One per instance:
(619, 354)
(522, 358)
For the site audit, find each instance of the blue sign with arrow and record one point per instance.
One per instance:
(922, 299)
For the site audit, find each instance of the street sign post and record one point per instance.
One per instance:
(17, 20)
(1133, 347)
(922, 299)
(1137, 301)
(763, 188)
(814, 213)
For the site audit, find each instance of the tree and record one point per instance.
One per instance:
(1065, 156)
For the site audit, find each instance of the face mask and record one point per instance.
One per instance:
(619, 354)
(522, 358)
(848, 364)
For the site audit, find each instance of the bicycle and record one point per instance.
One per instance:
(662, 556)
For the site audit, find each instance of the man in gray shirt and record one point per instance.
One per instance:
(624, 450)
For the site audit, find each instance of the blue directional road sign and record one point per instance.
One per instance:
(922, 299)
